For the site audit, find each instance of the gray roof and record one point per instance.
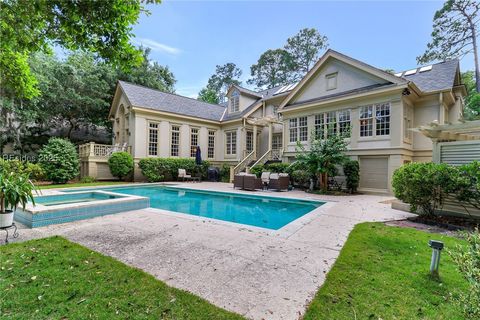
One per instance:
(144, 97)
(440, 77)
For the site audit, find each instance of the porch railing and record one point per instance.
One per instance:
(241, 165)
(271, 154)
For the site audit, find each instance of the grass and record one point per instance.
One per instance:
(79, 184)
(383, 273)
(54, 278)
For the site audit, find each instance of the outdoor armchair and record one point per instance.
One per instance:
(279, 181)
(251, 182)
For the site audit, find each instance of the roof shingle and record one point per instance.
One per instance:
(440, 77)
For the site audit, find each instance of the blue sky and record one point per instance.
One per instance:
(191, 37)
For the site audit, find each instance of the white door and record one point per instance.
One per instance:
(374, 173)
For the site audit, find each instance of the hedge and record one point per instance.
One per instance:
(166, 169)
(59, 159)
(120, 164)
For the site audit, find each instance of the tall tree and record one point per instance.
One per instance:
(273, 68)
(455, 32)
(224, 76)
(305, 48)
(472, 100)
(150, 74)
(208, 95)
(103, 27)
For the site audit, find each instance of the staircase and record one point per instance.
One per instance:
(249, 162)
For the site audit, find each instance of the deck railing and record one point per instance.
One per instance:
(93, 149)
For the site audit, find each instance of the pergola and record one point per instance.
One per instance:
(463, 131)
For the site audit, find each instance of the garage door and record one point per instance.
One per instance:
(374, 173)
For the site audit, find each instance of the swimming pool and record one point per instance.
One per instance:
(259, 211)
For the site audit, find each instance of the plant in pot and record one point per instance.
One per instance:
(15, 189)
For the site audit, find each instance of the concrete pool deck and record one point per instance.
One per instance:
(259, 273)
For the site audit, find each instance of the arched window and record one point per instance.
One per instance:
(235, 101)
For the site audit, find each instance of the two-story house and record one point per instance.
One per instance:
(339, 94)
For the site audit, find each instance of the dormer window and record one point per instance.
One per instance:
(331, 81)
(235, 101)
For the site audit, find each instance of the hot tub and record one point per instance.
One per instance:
(60, 208)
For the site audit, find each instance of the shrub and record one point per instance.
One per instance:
(424, 185)
(278, 167)
(166, 169)
(301, 177)
(120, 164)
(34, 171)
(351, 169)
(225, 173)
(467, 187)
(257, 170)
(468, 262)
(59, 159)
(88, 179)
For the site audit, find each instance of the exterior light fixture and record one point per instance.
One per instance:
(437, 247)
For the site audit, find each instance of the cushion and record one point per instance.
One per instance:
(283, 174)
(274, 176)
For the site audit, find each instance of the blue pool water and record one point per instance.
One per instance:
(260, 211)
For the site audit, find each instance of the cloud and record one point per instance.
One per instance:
(157, 46)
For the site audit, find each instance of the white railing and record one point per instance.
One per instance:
(93, 149)
(241, 165)
(269, 155)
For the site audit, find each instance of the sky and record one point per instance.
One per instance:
(192, 37)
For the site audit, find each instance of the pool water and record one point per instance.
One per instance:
(260, 211)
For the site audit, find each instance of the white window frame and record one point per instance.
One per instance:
(277, 142)
(369, 118)
(174, 143)
(194, 132)
(293, 130)
(211, 144)
(298, 129)
(234, 101)
(231, 143)
(407, 123)
(152, 145)
(249, 141)
(332, 122)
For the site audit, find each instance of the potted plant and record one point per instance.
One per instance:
(15, 189)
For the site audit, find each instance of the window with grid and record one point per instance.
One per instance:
(382, 119)
(292, 125)
(211, 144)
(193, 142)
(175, 143)
(302, 129)
(331, 123)
(344, 122)
(235, 101)
(277, 142)
(153, 139)
(249, 141)
(231, 142)
(366, 121)
(319, 126)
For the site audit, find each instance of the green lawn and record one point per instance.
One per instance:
(54, 278)
(79, 184)
(383, 273)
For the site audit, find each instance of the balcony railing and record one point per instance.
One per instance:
(93, 149)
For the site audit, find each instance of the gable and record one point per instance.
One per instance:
(348, 79)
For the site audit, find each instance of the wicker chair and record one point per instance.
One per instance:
(251, 182)
(238, 180)
(278, 182)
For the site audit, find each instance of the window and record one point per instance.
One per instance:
(292, 124)
(211, 144)
(175, 141)
(331, 81)
(366, 121)
(193, 142)
(298, 129)
(332, 122)
(249, 141)
(277, 141)
(231, 142)
(407, 122)
(153, 139)
(235, 101)
(381, 120)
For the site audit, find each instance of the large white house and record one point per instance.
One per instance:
(338, 94)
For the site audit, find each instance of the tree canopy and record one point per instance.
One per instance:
(472, 100)
(26, 27)
(290, 63)
(218, 84)
(455, 32)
